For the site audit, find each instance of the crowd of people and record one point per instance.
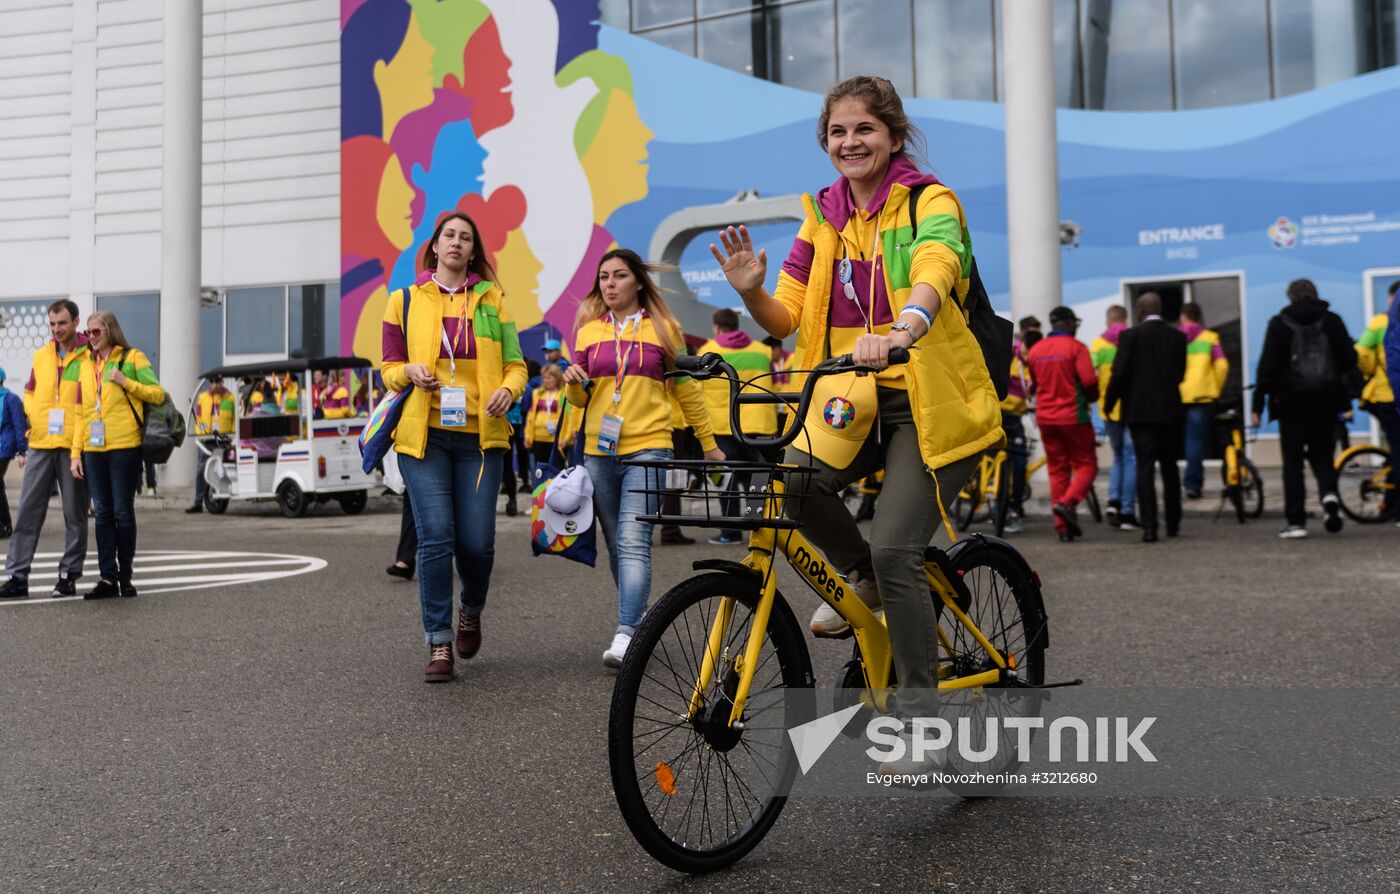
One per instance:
(479, 408)
(479, 418)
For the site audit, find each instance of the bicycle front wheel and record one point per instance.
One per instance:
(697, 793)
(1361, 484)
(1251, 489)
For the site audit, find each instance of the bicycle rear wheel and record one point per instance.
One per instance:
(1361, 485)
(1005, 604)
(696, 793)
(1252, 489)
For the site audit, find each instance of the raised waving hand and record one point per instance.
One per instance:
(744, 269)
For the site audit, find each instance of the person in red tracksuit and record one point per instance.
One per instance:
(1065, 385)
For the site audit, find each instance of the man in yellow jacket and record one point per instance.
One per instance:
(53, 404)
(751, 360)
(1206, 369)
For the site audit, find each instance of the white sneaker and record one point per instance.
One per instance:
(1293, 532)
(827, 622)
(613, 656)
(1013, 523)
(909, 764)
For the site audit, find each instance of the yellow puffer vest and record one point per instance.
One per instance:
(956, 410)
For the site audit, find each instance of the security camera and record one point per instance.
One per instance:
(1069, 233)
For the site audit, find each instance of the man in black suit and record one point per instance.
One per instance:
(1147, 374)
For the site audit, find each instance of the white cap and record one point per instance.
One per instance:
(568, 502)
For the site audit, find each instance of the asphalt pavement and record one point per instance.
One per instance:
(275, 735)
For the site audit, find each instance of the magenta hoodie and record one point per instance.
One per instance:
(836, 202)
(736, 339)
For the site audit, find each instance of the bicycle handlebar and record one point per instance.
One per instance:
(713, 365)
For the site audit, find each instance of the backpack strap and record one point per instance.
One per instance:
(914, 195)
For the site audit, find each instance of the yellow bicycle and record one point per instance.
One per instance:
(1364, 484)
(718, 671)
(1244, 488)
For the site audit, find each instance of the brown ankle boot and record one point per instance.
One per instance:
(439, 669)
(468, 635)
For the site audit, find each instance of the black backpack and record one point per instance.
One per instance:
(1311, 368)
(992, 331)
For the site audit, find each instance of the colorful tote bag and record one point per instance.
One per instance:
(544, 540)
(377, 437)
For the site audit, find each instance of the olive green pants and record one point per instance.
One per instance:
(906, 519)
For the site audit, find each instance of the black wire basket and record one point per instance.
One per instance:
(732, 494)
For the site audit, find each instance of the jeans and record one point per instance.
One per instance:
(1122, 477)
(1016, 450)
(113, 476)
(629, 540)
(1197, 443)
(453, 489)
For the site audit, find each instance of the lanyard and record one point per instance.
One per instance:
(848, 277)
(623, 361)
(101, 375)
(550, 404)
(459, 343)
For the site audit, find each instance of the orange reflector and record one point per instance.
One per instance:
(666, 779)
(1011, 660)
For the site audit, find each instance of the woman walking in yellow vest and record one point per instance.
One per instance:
(459, 353)
(106, 449)
(860, 280)
(626, 340)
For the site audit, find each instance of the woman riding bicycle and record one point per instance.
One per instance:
(926, 423)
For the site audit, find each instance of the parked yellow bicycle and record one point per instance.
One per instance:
(1365, 484)
(990, 485)
(718, 670)
(1244, 488)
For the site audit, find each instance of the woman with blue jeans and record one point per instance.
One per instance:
(625, 341)
(450, 339)
(116, 389)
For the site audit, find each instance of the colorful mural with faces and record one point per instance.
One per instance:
(503, 109)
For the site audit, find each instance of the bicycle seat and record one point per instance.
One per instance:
(1231, 415)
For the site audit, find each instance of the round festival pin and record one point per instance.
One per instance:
(839, 413)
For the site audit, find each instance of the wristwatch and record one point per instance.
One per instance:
(901, 326)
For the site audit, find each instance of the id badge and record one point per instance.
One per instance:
(609, 434)
(551, 427)
(454, 408)
(97, 434)
(56, 421)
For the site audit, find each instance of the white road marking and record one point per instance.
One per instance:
(169, 571)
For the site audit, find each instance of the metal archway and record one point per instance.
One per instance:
(678, 229)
